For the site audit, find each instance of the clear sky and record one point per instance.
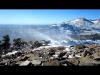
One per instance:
(46, 16)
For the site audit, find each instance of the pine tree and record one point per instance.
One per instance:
(5, 45)
(37, 44)
(19, 43)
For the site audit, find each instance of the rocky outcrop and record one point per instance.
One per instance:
(53, 56)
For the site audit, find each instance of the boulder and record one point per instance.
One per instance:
(66, 63)
(87, 61)
(62, 54)
(25, 63)
(51, 63)
(96, 56)
(73, 61)
(36, 62)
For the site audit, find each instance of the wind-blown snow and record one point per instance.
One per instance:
(58, 34)
(10, 53)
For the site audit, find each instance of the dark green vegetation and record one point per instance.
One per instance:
(40, 53)
(18, 44)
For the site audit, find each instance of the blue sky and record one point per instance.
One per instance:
(46, 16)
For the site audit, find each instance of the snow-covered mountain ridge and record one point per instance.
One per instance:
(81, 28)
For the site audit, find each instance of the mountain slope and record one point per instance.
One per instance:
(77, 29)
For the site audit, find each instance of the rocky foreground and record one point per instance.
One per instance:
(54, 56)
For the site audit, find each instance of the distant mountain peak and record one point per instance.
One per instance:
(82, 18)
(81, 21)
(97, 21)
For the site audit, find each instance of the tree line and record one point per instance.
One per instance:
(18, 44)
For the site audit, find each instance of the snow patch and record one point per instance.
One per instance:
(25, 63)
(10, 53)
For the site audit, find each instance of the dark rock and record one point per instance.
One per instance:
(61, 54)
(24, 59)
(51, 52)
